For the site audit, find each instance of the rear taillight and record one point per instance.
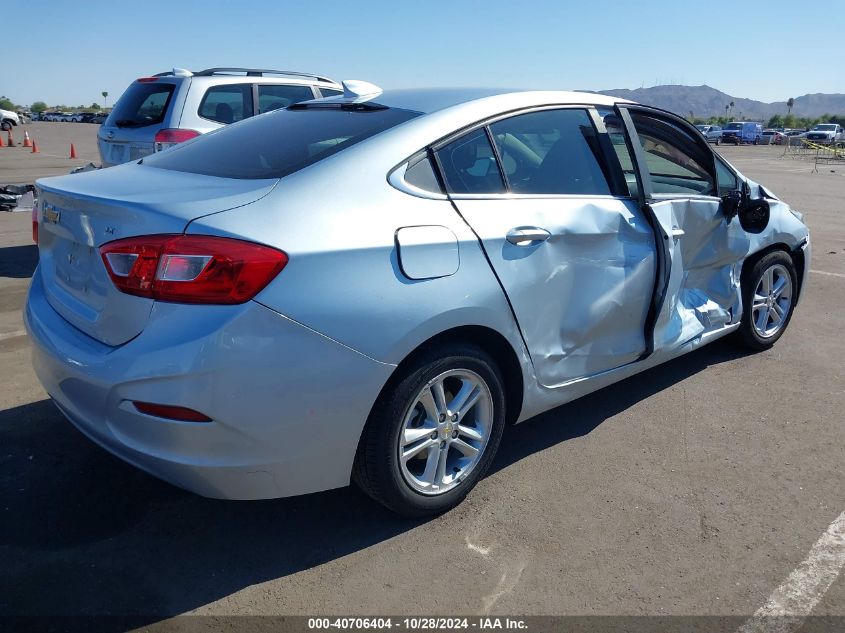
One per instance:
(169, 137)
(191, 268)
(35, 223)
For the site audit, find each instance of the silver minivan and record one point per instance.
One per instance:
(160, 111)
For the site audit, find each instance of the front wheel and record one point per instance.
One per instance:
(5, 126)
(718, 141)
(433, 433)
(769, 291)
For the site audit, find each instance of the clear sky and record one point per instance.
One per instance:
(69, 52)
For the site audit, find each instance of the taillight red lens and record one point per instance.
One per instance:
(175, 135)
(191, 268)
(34, 216)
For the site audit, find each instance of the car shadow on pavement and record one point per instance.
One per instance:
(581, 416)
(18, 262)
(82, 533)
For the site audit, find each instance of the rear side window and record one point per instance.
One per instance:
(551, 152)
(280, 143)
(227, 103)
(142, 104)
(274, 97)
(469, 165)
(330, 92)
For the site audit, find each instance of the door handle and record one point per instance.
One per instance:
(677, 232)
(527, 236)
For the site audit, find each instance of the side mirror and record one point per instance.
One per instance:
(731, 203)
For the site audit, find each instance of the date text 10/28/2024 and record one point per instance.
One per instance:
(416, 623)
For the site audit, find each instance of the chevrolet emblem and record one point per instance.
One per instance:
(51, 214)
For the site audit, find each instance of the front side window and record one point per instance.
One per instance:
(280, 143)
(676, 161)
(551, 152)
(726, 178)
(275, 96)
(227, 103)
(469, 165)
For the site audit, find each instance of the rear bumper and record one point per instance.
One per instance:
(287, 404)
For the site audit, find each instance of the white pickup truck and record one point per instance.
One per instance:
(826, 133)
(8, 119)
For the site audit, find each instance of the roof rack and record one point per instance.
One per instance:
(258, 72)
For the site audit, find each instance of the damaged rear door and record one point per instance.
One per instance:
(682, 184)
(573, 251)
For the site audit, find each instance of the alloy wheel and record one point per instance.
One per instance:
(771, 301)
(445, 431)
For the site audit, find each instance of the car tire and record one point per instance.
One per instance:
(5, 126)
(409, 416)
(769, 291)
(718, 141)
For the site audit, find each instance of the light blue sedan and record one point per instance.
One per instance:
(369, 287)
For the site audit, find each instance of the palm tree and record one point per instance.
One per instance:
(726, 110)
(732, 105)
(105, 96)
(789, 103)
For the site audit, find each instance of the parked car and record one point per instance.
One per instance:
(826, 133)
(8, 119)
(740, 132)
(773, 137)
(371, 286)
(158, 112)
(713, 133)
(99, 118)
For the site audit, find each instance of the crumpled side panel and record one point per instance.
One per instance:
(582, 296)
(706, 252)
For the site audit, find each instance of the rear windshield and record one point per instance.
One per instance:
(142, 104)
(278, 143)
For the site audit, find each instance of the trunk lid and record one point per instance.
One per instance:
(81, 212)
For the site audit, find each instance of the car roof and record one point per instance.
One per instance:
(429, 100)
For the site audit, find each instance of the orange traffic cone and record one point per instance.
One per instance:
(34, 147)
(1, 141)
(10, 140)
(72, 151)
(26, 141)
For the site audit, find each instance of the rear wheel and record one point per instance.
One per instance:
(769, 291)
(434, 433)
